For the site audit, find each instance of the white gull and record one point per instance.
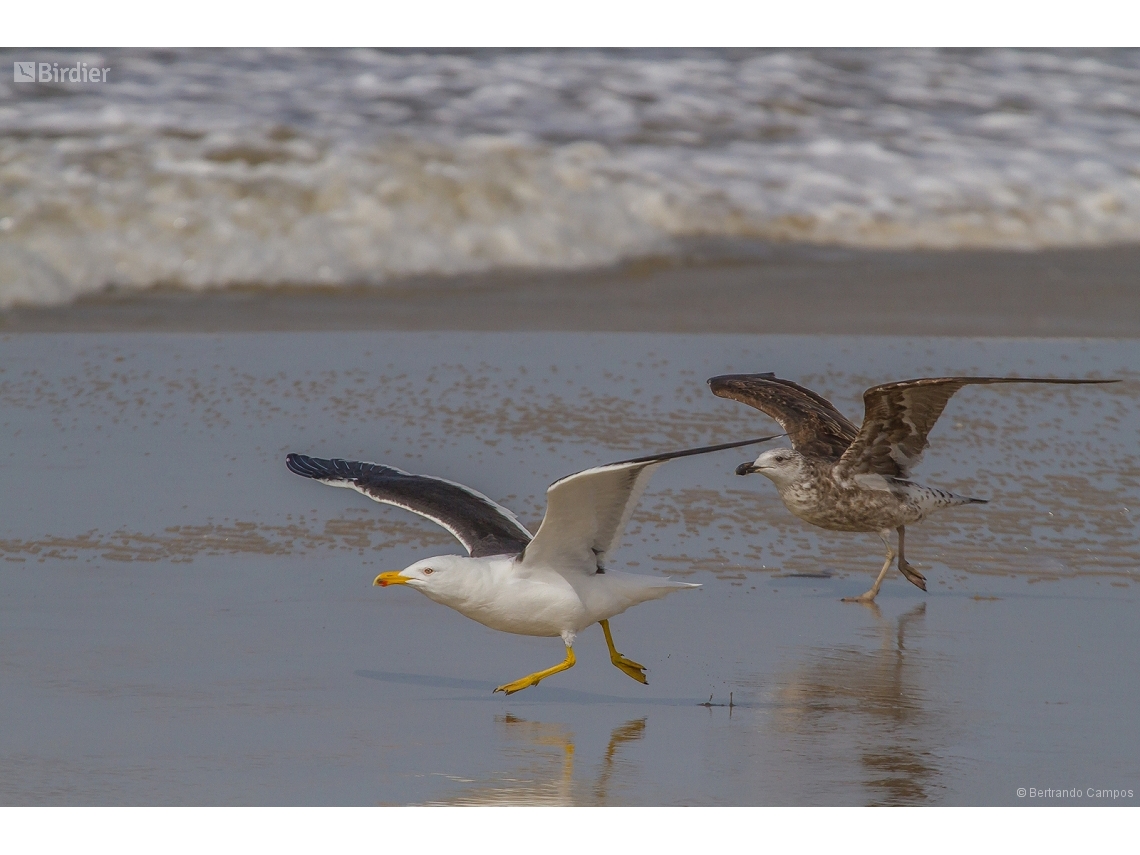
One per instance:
(555, 583)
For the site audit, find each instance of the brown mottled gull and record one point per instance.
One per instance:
(846, 479)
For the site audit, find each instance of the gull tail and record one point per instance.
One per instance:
(634, 588)
(952, 500)
(930, 499)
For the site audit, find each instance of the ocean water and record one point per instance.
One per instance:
(217, 168)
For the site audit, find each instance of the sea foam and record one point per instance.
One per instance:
(202, 169)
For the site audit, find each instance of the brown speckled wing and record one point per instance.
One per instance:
(814, 426)
(898, 417)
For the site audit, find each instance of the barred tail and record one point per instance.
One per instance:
(947, 499)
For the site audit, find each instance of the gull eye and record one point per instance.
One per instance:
(428, 571)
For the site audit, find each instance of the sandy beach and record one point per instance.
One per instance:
(771, 289)
(185, 622)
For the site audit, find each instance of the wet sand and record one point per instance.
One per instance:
(184, 622)
(766, 289)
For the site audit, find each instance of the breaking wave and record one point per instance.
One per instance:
(202, 169)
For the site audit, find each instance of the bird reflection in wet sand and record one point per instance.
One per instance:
(871, 700)
(543, 761)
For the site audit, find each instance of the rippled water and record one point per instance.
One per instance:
(214, 168)
(183, 621)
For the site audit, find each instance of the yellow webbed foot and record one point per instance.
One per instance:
(518, 685)
(631, 668)
(538, 676)
(628, 666)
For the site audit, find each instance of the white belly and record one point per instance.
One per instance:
(545, 603)
(525, 606)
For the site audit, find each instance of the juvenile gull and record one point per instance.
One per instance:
(846, 479)
(552, 584)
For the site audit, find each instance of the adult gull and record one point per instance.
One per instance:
(555, 583)
(844, 478)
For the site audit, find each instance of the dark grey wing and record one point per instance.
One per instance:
(814, 426)
(899, 416)
(484, 527)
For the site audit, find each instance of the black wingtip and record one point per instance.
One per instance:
(307, 467)
(689, 452)
(742, 376)
(722, 379)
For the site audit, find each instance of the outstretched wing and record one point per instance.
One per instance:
(481, 525)
(587, 512)
(814, 426)
(898, 417)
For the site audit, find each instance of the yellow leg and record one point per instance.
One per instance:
(627, 665)
(535, 678)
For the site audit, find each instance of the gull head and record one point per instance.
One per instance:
(428, 574)
(784, 466)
